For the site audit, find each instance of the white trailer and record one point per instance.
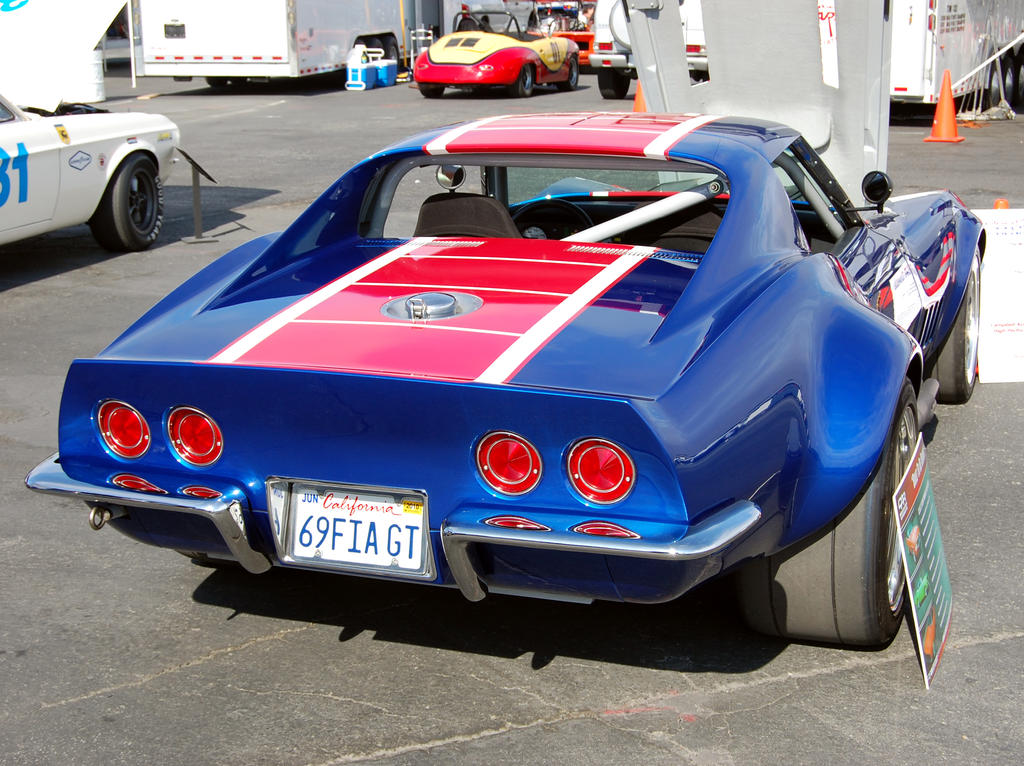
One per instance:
(234, 40)
(931, 36)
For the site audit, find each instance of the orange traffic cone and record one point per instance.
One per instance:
(639, 104)
(1002, 204)
(944, 124)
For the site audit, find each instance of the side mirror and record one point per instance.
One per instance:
(451, 177)
(877, 188)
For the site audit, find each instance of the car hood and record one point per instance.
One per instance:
(551, 314)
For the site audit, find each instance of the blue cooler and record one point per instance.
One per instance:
(387, 72)
(361, 77)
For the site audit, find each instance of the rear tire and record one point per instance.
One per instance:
(392, 52)
(1010, 80)
(612, 83)
(847, 585)
(523, 86)
(990, 96)
(957, 365)
(573, 79)
(1018, 96)
(131, 211)
(431, 90)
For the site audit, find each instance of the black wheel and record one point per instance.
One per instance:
(373, 42)
(1018, 95)
(431, 90)
(523, 86)
(1009, 79)
(992, 89)
(391, 50)
(612, 83)
(131, 211)
(956, 367)
(845, 586)
(573, 80)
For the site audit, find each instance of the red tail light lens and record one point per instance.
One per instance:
(195, 436)
(204, 493)
(601, 471)
(605, 529)
(516, 522)
(131, 481)
(508, 463)
(123, 429)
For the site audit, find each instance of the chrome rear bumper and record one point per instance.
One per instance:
(225, 513)
(459, 532)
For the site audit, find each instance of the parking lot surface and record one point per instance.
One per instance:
(112, 652)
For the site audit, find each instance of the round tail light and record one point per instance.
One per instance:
(600, 470)
(508, 463)
(123, 429)
(195, 436)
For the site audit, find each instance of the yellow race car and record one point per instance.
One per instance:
(490, 49)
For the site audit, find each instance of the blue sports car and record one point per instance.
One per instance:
(581, 356)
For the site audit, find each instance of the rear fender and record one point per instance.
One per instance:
(789, 406)
(970, 236)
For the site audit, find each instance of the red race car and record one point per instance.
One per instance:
(491, 50)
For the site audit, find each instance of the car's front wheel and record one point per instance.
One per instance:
(956, 367)
(846, 585)
(131, 211)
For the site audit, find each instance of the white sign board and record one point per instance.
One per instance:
(1001, 346)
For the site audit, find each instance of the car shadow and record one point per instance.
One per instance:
(30, 260)
(498, 92)
(700, 632)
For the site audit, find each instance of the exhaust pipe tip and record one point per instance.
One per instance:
(98, 516)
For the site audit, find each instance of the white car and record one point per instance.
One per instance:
(93, 167)
(612, 56)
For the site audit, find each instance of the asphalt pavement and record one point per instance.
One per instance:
(112, 652)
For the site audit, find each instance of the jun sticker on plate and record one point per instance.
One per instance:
(353, 528)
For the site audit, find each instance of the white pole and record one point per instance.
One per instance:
(131, 40)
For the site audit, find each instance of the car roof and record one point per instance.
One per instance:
(629, 134)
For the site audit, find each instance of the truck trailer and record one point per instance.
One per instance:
(230, 41)
(931, 36)
(928, 37)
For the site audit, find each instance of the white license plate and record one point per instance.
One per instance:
(347, 527)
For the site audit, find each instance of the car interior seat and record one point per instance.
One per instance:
(457, 214)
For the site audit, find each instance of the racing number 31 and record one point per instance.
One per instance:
(8, 165)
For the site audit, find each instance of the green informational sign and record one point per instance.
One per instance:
(924, 561)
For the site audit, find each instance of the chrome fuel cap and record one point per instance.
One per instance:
(429, 306)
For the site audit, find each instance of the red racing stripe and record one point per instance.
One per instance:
(612, 133)
(527, 298)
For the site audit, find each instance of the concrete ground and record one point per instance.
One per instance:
(112, 652)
